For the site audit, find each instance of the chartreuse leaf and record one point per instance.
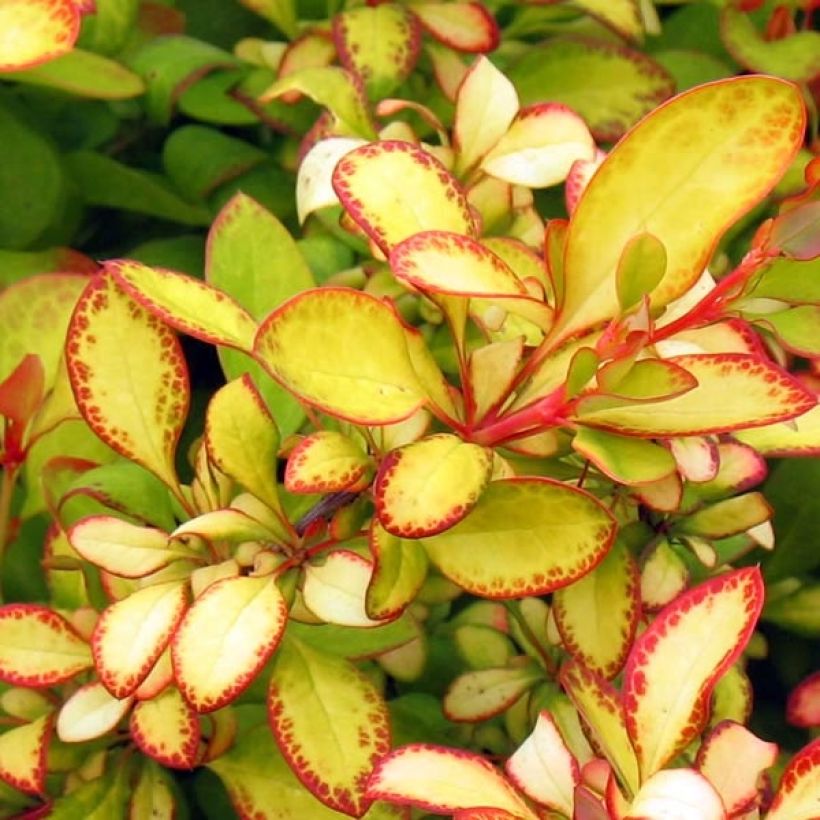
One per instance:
(153, 794)
(674, 792)
(799, 786)
(129, 377)
(103, 796)
(367, 380)
(600, 706)
(185, 303)
(732, 759)
(484, 693)
(626, 459)
(734, 390)
(610, 86)
(326, 462)
(493, 368)
(85, 74)
(132, 633)
(23, 752)
(540, 147)
(90, 712)
(238, 618)
(674, 665)
(242, 439)
(282, 13)
(38, 647)
(544, 768)
(330, 722)
(35, 31)
(739, 136)
(167, 729)
(399, 570)
(796, 329)
(795, 57)
(381, 184)
(335, 89)
(430, 485)
(444, 781)
(462, 26)
(525, 536)
(486, 105)
(623, 16)
(122, 548)
(598, 614)
(727, 517)
(379, 44)
(640, 269)
(798, 437)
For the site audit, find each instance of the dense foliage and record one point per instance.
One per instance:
(409, 408)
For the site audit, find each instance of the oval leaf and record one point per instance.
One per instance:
(484, 693)
(129, 377)
(430, 485)
(681, 793)
(38, 647)
(462, 26)
(325, 462)
(23, 752)
(225, 638)
(90, 713)
(330, 722)
(799, 786)
(35, 31)
(559, 535)
(676, 662)
(399, 570)
(167, 729)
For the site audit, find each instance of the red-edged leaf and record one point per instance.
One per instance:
(35, 31)
(326, 462)
(129, 377)
(22, 392)
(580, 173)
(559, 535)
(598, 614)
(799, 437)
(158, 678)
(330, 722)
(462, 26)
(676, 662)
(399, 570)
(185, 303)
(732, 760)
(90, 713)
(430, 485)
(663, 578)
(381, 183)
(23, 751)
(167, 729)
(483, 693)
(444, 781)
(796, 799)
(132, 633)
(803, 705)
(38, 647)
(241, 619)
(544, 769)
(679, 793)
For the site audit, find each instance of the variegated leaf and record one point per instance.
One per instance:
(23, 751)
(796, 799)
(167, 729)
(399, 570)
(37, 31)
(326, 462)
(462, 26)
(90, 713)
(484, 693)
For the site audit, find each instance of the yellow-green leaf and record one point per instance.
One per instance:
(167, 729)
(675, 663)
(330, 722)
(796, 799)
(382, 184)
(483, 693)
(132, 633)
(153, 794)
(23, 752)
(640, 269)
(225, 638)
(430, 485)
(623, 16)
(129, 377)
(738, 136)
(626, 459)
(34, 31)
(326, 462)
(343, 351)
(186, 303)
(282, 13)
(38, 647)
(800, 436)
(399, 570)
(525, 536)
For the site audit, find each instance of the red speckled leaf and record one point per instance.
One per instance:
(38, 647)
(23, 751)
(803, 706)
(326, 462)
(675, 664)
(35, 31)
(462, 26)
(381, 184)
(525, 536)
(399, 570)
(167, 729)
(330, 723)
(238, 618)
(796, 799)
(132, 633)
(129, 377)
(430, 485)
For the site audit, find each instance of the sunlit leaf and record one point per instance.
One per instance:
(330, 723)
(462, 26)
(399, 570)
(23, 751)
(35, 31)
(241, 619)
(796, 799)
(325, 462)
(626, 459)
(740, 135)
(640, 269)
(624, 16)
(525, 536)
(89, 713)
(167, 729)
(675, 663)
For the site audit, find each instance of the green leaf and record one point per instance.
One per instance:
(153, 794)
(735, 165)
(625, 459)
(690, 67)
(102, 798)
(789, 280)
(368, 380)
(610, 86)
(282, 13)
(525, 536)
(355, 642)
(640, 269)
(129, 377)
(796, 329)
(84, 74)
(111, 25)
(379, 44)
(330, 722)
(624, 16)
